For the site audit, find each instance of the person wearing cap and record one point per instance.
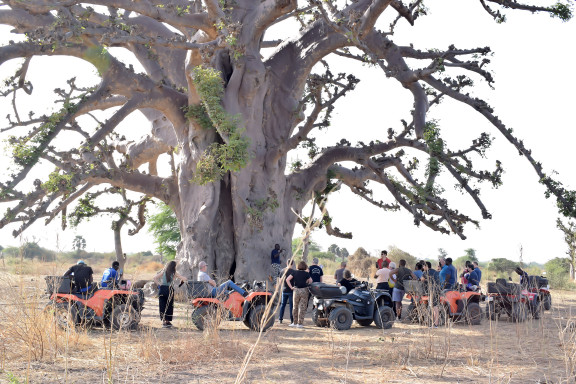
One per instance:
(111, 275)
(315, 271)
(81, 276)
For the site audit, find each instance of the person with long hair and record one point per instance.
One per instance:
(165, 281)
(298, 282)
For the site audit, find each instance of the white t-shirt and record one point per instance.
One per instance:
(203, 276)
(383, 275)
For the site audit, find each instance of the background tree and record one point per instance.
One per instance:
(470, 254)
(442, 253)
(361, 263)
(396, 254)
(502, 265)
(164, 227)
(344, 253)
(335, 249)
(79, 243)
(569, 231)
(226, 113)
(558, 273)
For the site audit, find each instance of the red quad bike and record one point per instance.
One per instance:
(512, 300)
(110, 307)
(539, 285)
(230, 306)
(458, 305)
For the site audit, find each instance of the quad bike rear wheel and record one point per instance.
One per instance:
(384, 317)
(318, 321)
(256, 317)
(518, 312)
(65, 314)
(124, 317)
(491, 311)
(340, 318)
(547, 302)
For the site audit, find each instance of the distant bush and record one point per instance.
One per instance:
(361, 263)
(558, 273)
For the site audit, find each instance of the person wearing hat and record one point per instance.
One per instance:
(315, 271)
(81, 275)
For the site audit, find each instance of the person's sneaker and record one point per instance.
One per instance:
(245, 293)
(166, 325)
(299, 326)
(280, 321)
(293, 325)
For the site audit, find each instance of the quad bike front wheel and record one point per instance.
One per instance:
(207, 316)
(384, 317)
(257, 321)
(124, 317)
(474, 314)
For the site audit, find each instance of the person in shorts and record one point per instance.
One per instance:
(402, 273)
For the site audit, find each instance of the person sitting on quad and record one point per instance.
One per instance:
(217, 290)
(81, 276)
(348, 281)
(473, 278)
(523, 275)
(478, 270)
(111, 276)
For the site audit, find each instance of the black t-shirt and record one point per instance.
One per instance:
(82, 275)
(402, 274)
(289, 272)
(299, 279)
(316, 273)
(349, 284)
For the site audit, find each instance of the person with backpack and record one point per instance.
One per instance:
(111, 276)
(402, 273)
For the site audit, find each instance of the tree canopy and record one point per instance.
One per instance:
(230, 88)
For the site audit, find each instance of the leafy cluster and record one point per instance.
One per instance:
(164, 227)
(218, 158)
(83, 210)
(59, 182)
(255, 212)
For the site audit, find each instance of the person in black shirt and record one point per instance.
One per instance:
(316, 272)
(287, 293)
(81, 276)
(298, 281)
(347, 281)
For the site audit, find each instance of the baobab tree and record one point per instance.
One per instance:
(227, 104)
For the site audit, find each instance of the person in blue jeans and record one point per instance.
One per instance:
(286, 293)
(217, 290)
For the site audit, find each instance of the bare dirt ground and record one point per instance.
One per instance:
(536, 351)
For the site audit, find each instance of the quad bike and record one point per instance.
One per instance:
(334, 308)
(110, 307)
(512, 300)
(209, 311)
(458, 305)
(539, 285)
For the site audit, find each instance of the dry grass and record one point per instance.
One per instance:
(33, 350)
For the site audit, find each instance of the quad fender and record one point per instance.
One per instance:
(384, 299)
(202, 301)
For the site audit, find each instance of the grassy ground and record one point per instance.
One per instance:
(33, 350)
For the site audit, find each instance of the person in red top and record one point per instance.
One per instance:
(383, 258)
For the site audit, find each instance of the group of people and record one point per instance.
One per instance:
(295, 289)
(82, 279)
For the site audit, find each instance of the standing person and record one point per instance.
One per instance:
(433, 289)
(392, 266)
(111, 276)
(402, 273)
(448, 275)
(339, 273)
(287, 293)
(298, 281)
(430, 273)
(383, 258)
(316, 271)
(276, 262)
(81, 276)
(441, 263)
(478, 270)
(382, 276)
(220, 289)
(165, 281)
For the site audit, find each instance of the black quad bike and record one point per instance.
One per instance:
(338, 310)
(512, 300)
